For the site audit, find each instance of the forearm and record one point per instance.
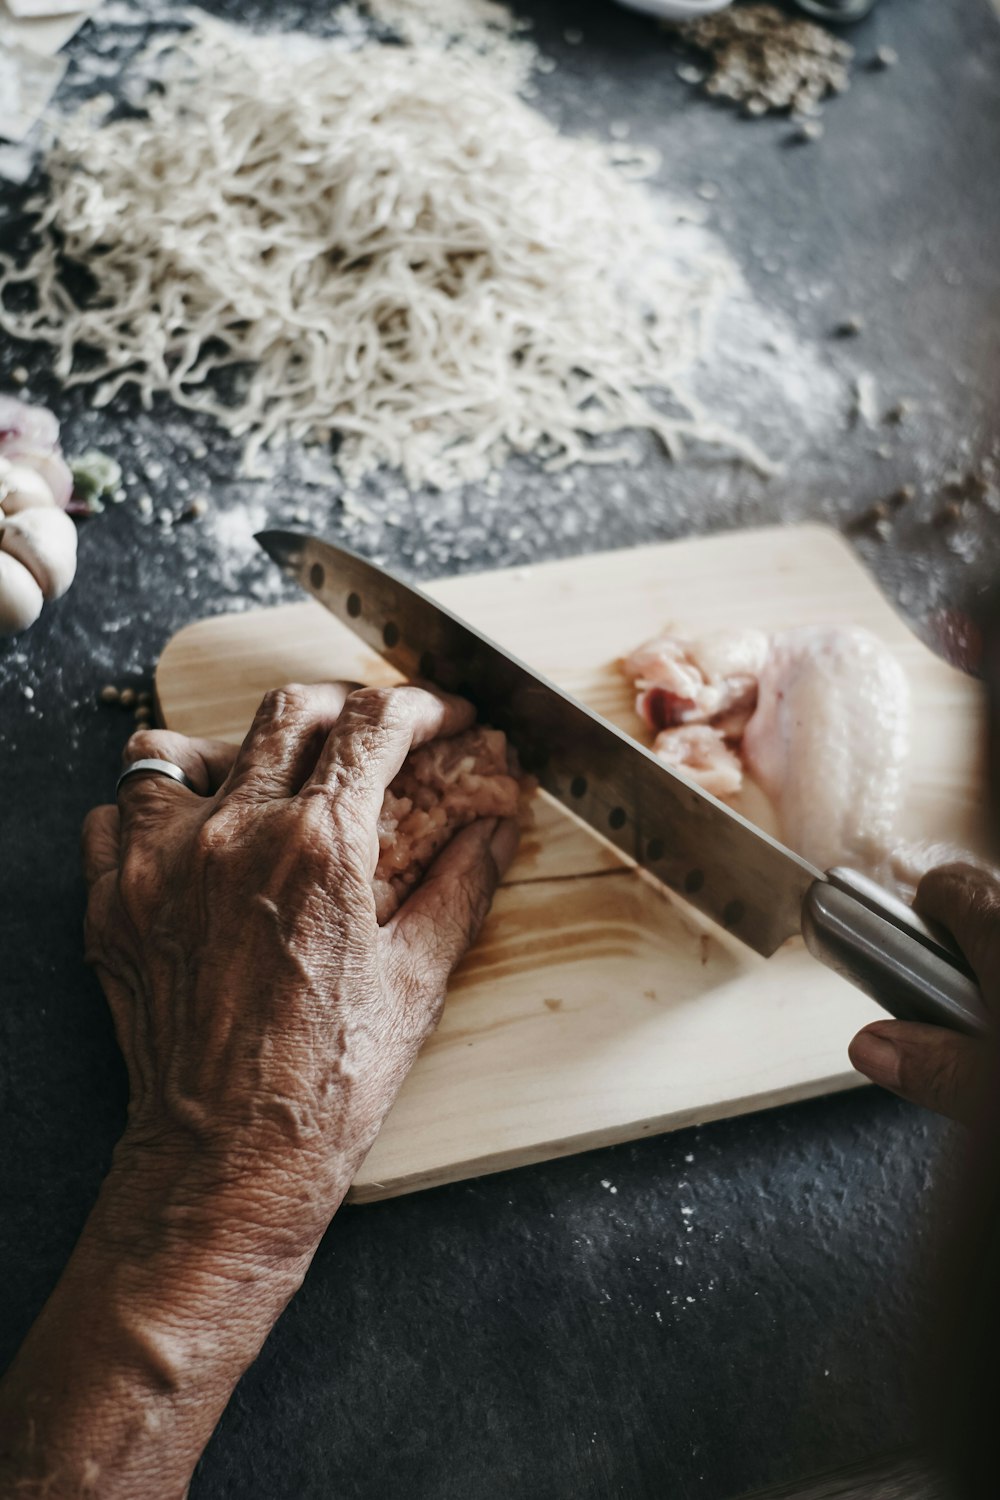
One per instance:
(122, 1379)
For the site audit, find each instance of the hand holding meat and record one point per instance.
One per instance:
(262, 1011)
(930, 1065)
(267, 1022)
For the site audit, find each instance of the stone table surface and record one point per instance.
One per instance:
(561, 1331)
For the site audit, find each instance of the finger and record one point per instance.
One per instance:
(101, 835)
(148, 796)
(282, 744)
(436, 926)
(205, 763)
(928, 1065)
(377, 730)
(965, 899)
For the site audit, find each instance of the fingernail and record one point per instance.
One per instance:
(504, 842)
(876, 1057)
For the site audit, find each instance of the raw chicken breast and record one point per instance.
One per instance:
(828, 743)
(818, 716)
(441, 788)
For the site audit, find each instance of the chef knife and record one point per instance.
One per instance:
(735, 873)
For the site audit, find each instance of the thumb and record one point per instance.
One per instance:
(437, 925)
(928, 1065)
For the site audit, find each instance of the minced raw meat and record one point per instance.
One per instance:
(441, 788)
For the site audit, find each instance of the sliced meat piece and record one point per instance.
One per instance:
(712, 680)
(700, 753)
(441, 788)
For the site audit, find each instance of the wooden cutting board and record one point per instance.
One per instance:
(597, 1007)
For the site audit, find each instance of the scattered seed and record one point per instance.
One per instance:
(849, 328)
(976, 487)
(573, 35)
(882, 530)
(902, 496)
(197, 509)
(948, 514)
(127, 697)
(708, 190)
(28, 692)
(619, 130)
(898, 413)
(19, 375)
(145, 504)
(690, 73)
(143, 713)
(165, 518)
(144, 699)
(871, 519)
(108, 693)
(885, 57)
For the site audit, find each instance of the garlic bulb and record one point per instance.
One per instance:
(22, 488)
(20, 596)
(44, 540)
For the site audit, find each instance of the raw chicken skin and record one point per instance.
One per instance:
(828, 743)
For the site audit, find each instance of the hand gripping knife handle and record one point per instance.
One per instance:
(880, 945)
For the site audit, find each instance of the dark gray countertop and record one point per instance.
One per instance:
(533, 1334)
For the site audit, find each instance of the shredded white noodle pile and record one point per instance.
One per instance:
(384, 247)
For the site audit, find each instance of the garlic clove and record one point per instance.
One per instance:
(20, 596)
(22, 488)
(44, 540)
(54, 470)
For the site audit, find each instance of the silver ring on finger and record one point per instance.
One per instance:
(156, 768)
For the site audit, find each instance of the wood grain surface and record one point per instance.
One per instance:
(597, 1007)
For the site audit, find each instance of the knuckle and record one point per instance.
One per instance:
(379, 706)
(137, 879)
(212, 839)
(145, 744)
(288, 702)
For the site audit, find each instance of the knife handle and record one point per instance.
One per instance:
(880, 945)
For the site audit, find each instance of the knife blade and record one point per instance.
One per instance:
(693, 843)
(720, 863)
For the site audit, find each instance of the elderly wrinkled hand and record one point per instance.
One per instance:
(931, 1065)
(267, 1022)
(265, 1018)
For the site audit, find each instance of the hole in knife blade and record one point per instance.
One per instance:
(693, 881)
(317, 575)
(354, 605)
(390, 634)
(617, 817)
(656, 849)
(733, 912)
(578, 786)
